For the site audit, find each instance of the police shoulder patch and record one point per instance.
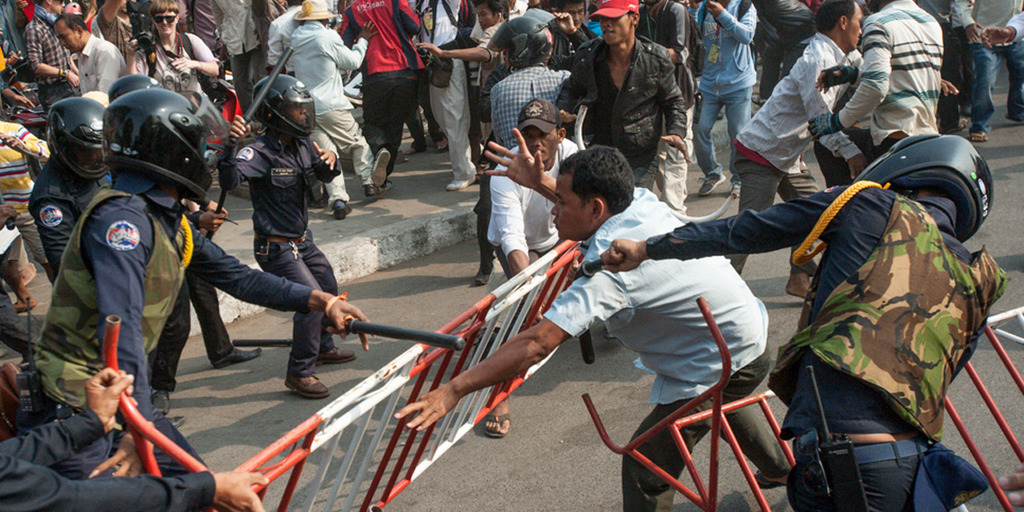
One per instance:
(246, 154)
(123, 236)
(51, 216)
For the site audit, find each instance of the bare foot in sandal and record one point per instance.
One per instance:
(499, 421)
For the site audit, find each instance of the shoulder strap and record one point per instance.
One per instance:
(742, 11)
(805, 252)
(186, 42)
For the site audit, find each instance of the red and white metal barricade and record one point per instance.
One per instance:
(380, 457)
(705, 496)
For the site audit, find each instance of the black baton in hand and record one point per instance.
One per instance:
(588, 269)
(434, 339)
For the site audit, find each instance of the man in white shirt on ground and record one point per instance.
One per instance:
(99, 62)
(769, 149)
(522, 227)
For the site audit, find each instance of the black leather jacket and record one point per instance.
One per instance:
(648, 100)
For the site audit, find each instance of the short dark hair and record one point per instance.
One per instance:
(73, 21)
(601, 171)
(498, 6)
(559, 5)
(830, 11)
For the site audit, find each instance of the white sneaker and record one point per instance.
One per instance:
(380, 167)
(456, 185)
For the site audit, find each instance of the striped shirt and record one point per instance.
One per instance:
(15, 182)
(899, 81)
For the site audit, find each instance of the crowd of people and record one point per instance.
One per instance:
(113, 207)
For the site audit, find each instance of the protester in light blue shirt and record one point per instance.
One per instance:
(652, 310)
(728, 80)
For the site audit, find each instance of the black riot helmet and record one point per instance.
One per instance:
(526, 39)
(162, 135)
(288, 108)
(942, 162)
(74, 131)
(131, 83)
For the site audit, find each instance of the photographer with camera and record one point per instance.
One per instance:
(183, 61)
(56, 74)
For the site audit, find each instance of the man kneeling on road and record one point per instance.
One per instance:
(653, 311)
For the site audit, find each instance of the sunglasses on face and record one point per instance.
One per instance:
(165, 18)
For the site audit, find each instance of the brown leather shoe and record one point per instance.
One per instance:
(799, 284)
(307, 387)
(335, 356)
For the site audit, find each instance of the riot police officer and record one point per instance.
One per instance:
(127, 257)
(281, 165)
(74, 131)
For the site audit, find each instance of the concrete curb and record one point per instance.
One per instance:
(377, 249)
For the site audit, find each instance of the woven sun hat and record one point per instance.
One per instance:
(314, 10)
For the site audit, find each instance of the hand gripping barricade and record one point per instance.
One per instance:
(381, 457)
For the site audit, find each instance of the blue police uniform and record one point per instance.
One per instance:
(29, 485)
(58, 199)
(277, 173)
(118, 265)
(852, 236)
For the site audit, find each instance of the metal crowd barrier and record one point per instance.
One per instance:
(378, 456)
(705, 496)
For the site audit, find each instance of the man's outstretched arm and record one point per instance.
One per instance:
(513, 358)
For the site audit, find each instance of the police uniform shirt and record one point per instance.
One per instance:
(56, 203)
(117, 241)
(276, 173)
(31, 485)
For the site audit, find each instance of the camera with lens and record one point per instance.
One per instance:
(142, 28)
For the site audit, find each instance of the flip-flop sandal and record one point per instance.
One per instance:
(764, 483)
(979, 137)
(500, 420)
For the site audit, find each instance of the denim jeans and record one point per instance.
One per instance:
(737, 114)
(986, 66)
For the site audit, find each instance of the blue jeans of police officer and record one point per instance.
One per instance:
(303, 263)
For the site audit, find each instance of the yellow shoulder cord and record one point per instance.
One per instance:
(186, 249)
(805, 252)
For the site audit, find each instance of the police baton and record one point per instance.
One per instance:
(588, 270)
(434, 339)
(250, 112)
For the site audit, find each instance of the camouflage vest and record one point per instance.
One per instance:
(901, 323)
(69, 352)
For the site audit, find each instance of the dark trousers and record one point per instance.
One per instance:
(387, 103)
(416, 124)
(311, 268)
(165, 357)
(835, 169)
(888, 484)
(78, 466)
(777, 59)
(482, 209)
(760, 184)
(948, 113)
(642, 490)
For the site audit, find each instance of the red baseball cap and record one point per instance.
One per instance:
(616, 8)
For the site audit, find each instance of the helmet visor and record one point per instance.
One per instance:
(300, 114)
(87, 160)
(213, 121)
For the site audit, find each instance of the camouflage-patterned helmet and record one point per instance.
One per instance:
(944, 162)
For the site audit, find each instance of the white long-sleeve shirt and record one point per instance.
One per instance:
(279, 35)
(987, 13)
(778, 132)
(235, 23)
(521, 218)
(1017, 22)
